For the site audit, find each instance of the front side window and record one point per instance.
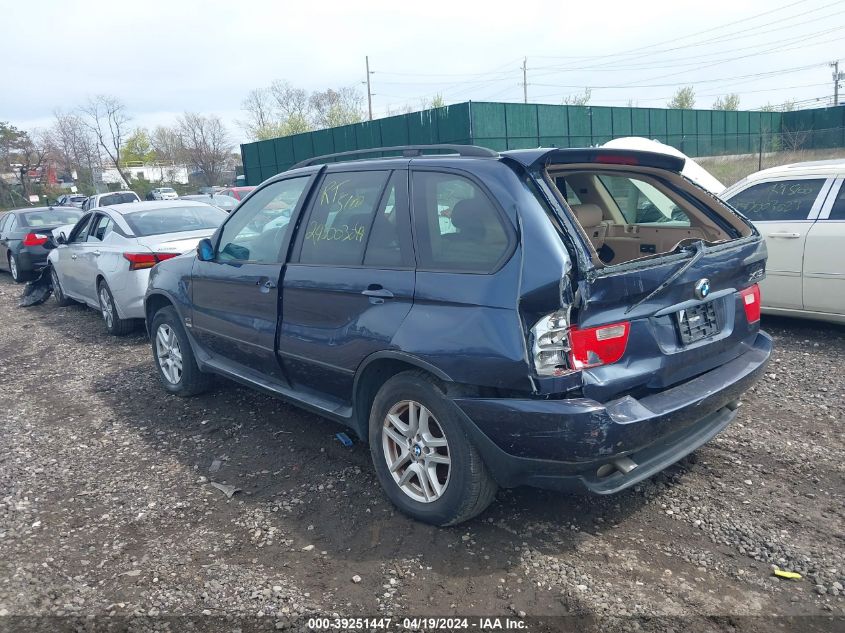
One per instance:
(457, 225)
(778, 201)
(341, 216)
(640, 202)
(80, 231)
(259, 227)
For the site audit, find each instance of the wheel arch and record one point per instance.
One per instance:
(153, 303)
(373, 372)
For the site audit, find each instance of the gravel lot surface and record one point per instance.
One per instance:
(107, 505)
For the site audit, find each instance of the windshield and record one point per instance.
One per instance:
(174, 220)
(118, 198)
(50, 217)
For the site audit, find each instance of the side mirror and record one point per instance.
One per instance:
(205, 250)
(61, 238)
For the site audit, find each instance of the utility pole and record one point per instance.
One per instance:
(525, 80)
(369, 89)
(837, 77)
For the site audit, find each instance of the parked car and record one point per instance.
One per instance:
(164, 193)
(455, 313)
(227, 203)
(108, 199)
(238, 193)
(800, 209)
(24, 237)
(70, 200)
(106, 258)
(209, 191)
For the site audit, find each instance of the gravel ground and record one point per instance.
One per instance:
(107, 506)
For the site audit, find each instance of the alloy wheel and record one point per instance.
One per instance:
(416, 451)
(106, 306)
(169, 354)
(13, 268)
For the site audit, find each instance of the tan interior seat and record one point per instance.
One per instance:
(590, 217)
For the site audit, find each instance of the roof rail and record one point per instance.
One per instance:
(408, 151)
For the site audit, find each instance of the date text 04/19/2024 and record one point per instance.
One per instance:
(418, 623)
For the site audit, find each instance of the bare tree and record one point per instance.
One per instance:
(74, 146)
(582, 99)
(108, 120)
(261, 120)
(206, 144)
(728, 102)
(292, 107)
(22, 153)
(332, 108)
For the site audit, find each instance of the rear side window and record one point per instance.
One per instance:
(458, 228)
(781, 200)
(837, 211)
(102, 227)
(641, 202)
(80, 231)
(341, 216)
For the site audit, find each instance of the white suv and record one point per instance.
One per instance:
(800, 209)
(164, 193)
(108, 199)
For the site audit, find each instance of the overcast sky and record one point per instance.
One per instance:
(165, 57)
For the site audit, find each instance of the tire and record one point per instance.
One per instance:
(59, 295)
(453, 492)
(166, 336)
(114, 324)
(15, 271)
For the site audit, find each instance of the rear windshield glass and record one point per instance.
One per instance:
(175, 219)
(118, 198)
(50, 217)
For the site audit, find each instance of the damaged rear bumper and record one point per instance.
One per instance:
(563, 444)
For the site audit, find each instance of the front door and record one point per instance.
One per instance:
(236, 296)
(783, 210)
(824, 256)
(67, 266)
(351, 283)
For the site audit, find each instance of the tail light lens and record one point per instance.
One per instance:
(559, 348)
(596, 346)
(35, 239)
(751, 303)
(139, 261)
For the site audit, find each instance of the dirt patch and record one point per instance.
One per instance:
(108, 508)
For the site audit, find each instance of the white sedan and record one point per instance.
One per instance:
(800, 210)
(104, 261)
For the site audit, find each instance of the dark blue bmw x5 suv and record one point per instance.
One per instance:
(562, 318)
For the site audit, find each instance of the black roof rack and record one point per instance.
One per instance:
(408, 151)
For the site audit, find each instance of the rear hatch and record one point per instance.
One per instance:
(658, 319)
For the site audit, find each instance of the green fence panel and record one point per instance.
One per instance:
(580, 131)
(488, 120)
(497, 144)
(552, 123)
(323, 142)
(621, 123)
(284, 152)
(657, 123)
(601, 120)
(639, 123)
(266, 153)
(453, 125)
(303, 146)
(422, 128)
(394, 130)
(521, 124)
(717, 132)
(674, 123)
(827, 129)
(344, 138)
(368, 135)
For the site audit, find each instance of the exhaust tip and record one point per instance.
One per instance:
(622, 465)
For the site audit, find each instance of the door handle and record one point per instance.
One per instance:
(265, 284)
(787, 235)
(97, 253)
(376, 290)
(73, 256)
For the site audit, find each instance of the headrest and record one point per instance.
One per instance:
(469, 217)
(588, 215)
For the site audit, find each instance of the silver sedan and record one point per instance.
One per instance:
(104, 260)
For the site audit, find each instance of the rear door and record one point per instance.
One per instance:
(783, 210)
(352, 283)
(824, 256)
(88, 254)
(236, 296)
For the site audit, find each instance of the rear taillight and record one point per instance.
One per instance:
(35, 239)
(559, 348)
(751, 303)
(139, 261)
(596, 346)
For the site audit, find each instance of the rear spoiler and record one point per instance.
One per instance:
(599, 155)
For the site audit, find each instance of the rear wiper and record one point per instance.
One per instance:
(699, 251)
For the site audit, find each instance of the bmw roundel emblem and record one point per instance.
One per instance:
(702, 288)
